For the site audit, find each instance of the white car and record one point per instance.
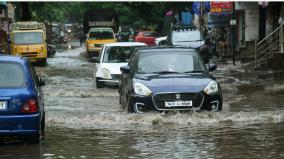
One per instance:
(161, 40)
(112, 57)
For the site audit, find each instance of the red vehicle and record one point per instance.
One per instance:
(147, 37)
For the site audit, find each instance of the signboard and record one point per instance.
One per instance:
(245, 5)
(221, 8)
(196, 7)
(252, 24)
(218, 21)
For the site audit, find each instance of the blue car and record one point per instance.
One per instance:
(21, 100)
(166, 79)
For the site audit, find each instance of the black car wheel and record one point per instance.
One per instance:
(99, 84)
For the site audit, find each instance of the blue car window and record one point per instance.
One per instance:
(11, 75)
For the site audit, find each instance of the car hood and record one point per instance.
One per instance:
(194, 82)
(114, 68)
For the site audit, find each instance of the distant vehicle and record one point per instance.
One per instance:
(189, 37)
(21, 100)
(69, 28)
(166, 79)
(96, 38)
(161, 41)
(113, 56)
(99, 21)
(28, 39)
(100, 18)
(125, 34)
(147, 37)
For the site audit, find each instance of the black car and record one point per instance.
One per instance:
(168, 78)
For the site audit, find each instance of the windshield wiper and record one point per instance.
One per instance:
(194, 71)
(165, 72)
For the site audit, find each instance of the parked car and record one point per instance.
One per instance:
(125, 34)
(113, 56)
(147, 37)
(21, 99)
(190, 38)
(168, 78)
(161, 41)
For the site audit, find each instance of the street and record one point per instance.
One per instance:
(84, 122)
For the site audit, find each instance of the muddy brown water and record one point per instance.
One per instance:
(83, 122)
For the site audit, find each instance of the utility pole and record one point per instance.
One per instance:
(233, 24)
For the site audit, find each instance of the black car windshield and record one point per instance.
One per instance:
(117, 54)
(101, 34)
(11, 75)
(170, 62)
(28, 38)
(186, 36)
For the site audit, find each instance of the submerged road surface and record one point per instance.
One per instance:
(84, 122)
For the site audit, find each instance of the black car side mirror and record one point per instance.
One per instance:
(211, 67)
(41, 82)
(95, 59)
(125, 69)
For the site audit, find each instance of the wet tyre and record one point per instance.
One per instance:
(99, 84)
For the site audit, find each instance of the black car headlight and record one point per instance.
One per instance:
(141, 89)
(211, 88)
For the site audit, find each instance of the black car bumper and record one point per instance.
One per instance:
(156, 102)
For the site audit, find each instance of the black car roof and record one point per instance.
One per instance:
(166, 49)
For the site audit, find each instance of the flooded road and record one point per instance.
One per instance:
(83, 122)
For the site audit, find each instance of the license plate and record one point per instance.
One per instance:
(3, 105)
(178, 104)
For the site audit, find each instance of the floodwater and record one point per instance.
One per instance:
(83, 122)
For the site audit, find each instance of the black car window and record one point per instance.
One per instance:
(132, 61)
(169, 62)
(12, 75)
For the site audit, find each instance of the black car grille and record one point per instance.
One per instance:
(115, 76)
(160, 99)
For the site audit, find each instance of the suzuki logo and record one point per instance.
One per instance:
(178, 96)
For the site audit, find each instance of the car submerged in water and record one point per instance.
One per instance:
(168, 78)
(113, 56)
(21, 100)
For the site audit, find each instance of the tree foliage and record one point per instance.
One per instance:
(148, 14)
